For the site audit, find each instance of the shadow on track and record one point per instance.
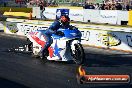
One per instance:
(4, 83)
(101, 60)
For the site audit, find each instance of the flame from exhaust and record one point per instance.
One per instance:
(81, 71)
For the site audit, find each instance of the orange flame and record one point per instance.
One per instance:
(81, 71)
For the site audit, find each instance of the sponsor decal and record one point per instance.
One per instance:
(85, 35)
(49, 13)
(82, 78)
(76, 14)
(108, 39)
(73, 34)
(108, 14)
(28, 28)
(12, 27)
(103, 16)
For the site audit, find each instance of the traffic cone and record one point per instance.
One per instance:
(30, 16)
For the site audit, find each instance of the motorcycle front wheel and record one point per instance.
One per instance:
(78, 54)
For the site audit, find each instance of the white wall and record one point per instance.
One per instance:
(85, 15)
(119, 40)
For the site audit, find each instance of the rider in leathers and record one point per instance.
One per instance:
(63, 22)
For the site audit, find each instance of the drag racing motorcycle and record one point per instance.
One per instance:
(66, 45)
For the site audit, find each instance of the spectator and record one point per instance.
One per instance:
(118, 6)
(97, 6)
(107, 7)
(42, 9)
(86, 6)
(45, 3)
(72, 3)
(91, 6)
(127, 7)
(113, 7)
(130, 7)
(103, 6)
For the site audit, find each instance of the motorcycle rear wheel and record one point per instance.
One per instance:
(78, 54)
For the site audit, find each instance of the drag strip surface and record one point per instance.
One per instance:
(18, 70)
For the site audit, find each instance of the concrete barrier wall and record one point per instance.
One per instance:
(108, 39)
(87, 15)
(119, 38)
(117, 17)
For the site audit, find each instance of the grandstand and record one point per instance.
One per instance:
(13, 3)
(23, 3)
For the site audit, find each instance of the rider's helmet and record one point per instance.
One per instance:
(65, 20)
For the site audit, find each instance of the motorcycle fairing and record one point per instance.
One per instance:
(59, 51)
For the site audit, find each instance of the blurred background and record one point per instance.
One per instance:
(28, 3)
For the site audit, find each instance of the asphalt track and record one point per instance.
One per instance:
(20, 70)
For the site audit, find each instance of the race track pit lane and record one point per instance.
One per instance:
(30, 72)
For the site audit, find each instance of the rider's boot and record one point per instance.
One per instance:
(43, 53)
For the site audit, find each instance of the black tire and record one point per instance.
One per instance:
(79, 55)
